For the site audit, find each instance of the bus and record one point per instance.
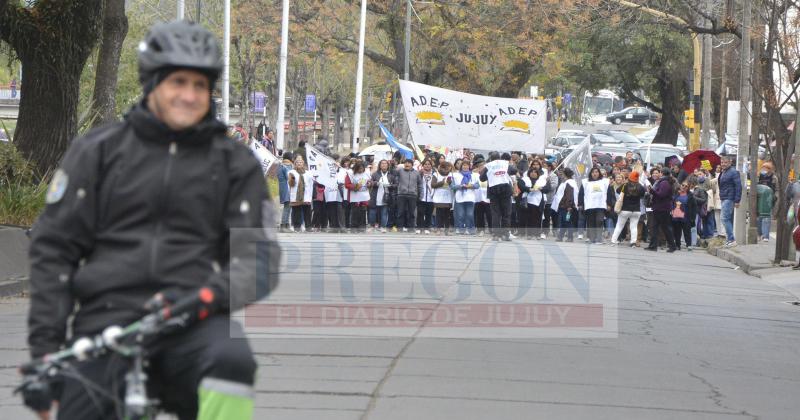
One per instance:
(597, 107)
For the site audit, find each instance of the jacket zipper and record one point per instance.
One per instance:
(162, 207)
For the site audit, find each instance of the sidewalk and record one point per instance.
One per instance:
(756, 260)
(13, 261)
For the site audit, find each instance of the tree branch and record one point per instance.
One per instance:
(628, 94)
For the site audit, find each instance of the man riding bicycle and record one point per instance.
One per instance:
(140, 213)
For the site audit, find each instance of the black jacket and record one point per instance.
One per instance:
(145, 209)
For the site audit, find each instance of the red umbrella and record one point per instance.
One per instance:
(698, 159)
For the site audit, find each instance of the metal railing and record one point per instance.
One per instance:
(7, 93)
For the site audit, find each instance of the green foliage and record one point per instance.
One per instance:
(21, 195)
(632, 57)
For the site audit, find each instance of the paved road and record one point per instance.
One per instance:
(696, 339)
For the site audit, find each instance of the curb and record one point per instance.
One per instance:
(777, 275)
(14, 287)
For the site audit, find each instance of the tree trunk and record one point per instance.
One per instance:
(338, 129)
(115, 28)
(53, 41)
(671, 106)
(325, 121)
(723, 96)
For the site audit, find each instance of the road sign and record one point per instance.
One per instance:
(311, 103)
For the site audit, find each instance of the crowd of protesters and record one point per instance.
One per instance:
(514, 195)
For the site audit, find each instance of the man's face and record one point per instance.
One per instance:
(407, 165)
(181, 100)
(725, 164)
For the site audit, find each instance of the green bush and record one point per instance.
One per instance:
(21, 194)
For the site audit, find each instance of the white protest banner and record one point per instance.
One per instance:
(264, 156)
(445, 117)
(322, 168)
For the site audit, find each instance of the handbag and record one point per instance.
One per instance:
(618, 204)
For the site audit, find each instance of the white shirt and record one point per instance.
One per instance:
(340, 176)
(383, 182)
(466, 195)
(442, 195)
(308, 187)
(534, 196)
(362, 193)
(425, 190)
(560, 193)
(595, 194)
(497, 172)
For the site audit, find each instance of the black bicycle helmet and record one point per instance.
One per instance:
(179, 44)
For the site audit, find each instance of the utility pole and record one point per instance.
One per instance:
(180, 9)
(226, 63)
(197, 15)
(279, 129)
(740, 219)
(359, 77)
(706, 111)
(407, 62)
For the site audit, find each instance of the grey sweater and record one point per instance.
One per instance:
(407, 182)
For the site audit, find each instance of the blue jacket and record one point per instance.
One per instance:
(283, 183)
(730, 185)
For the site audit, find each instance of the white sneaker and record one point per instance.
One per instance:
(427, 232)
(580, 236)
(383, 230)
(405, 229)
(370, 230)
(543, 236)
(512, 236)
(417, 232)
(765, 239)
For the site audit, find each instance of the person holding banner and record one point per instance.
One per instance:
(301, 186)
(534, 185)
(425, 205)
(333, 208)
(498, 175)
(465, 184)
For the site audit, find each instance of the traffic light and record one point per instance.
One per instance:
(389, 97)
(689, 118)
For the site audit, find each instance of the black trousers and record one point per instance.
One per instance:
(534, 220)
(358, 216)
(178, 364)
(550, 218)
(406, 211)
(501, 209)
(332, 214)
(424, 215)
(444, 218)
(678, 227)
(483, 216)
(662, 220)
(318, 214)
(594, 224)
(346, 211)
(301, 214)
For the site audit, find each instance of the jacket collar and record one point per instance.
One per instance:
(148, 127)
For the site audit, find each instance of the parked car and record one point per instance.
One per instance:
(561, 142)
(627, 138)
(604, 140)
(634, 114)
(656, 153)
